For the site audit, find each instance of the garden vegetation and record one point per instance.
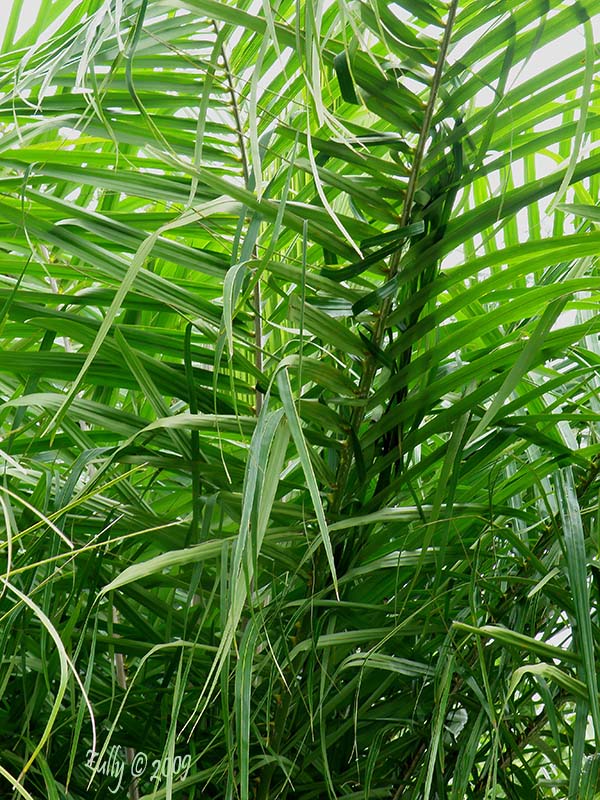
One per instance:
(299, 399)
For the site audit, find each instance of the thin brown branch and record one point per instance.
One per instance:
(121, 672)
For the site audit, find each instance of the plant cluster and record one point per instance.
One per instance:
(299, 399)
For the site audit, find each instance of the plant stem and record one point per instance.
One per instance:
(258, 332)
(122, 681)
(370, 363)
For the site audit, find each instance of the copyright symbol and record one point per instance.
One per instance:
(139, 764)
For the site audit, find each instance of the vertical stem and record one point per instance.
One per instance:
(258, 330)
(121, 671)
(258, 341)
(370, 363)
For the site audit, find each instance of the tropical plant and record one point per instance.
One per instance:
(299, 399)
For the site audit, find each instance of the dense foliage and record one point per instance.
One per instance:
(299, 399)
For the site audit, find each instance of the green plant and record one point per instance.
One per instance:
(299, 383)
